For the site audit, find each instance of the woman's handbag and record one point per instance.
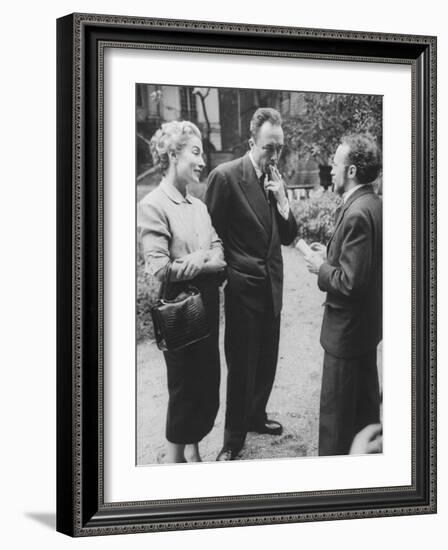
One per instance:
(181, 321)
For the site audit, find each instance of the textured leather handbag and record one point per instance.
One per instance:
(181, 321)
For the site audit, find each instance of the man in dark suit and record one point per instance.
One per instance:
(350, 271)
(249, 208)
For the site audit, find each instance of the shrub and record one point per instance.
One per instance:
(315, 217)
(147, 293)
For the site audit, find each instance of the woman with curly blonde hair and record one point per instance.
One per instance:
(179, 242)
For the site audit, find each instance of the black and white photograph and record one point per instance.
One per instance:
(259, 297)
(205, 277)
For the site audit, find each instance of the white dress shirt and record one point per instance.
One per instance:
(346, 195)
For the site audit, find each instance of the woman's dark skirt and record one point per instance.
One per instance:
(194, 374)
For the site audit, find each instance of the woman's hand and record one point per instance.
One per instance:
(191, 265)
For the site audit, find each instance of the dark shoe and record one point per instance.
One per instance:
(225, 454)
(270, 427)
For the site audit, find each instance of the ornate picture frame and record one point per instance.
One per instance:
(81, 43)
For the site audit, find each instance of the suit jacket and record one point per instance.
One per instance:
(252, 231)
(352, 278)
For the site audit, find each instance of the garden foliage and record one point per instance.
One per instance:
(318, 127)
(315, 217)
(147, 294)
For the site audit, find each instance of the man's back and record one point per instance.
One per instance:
(352, 277)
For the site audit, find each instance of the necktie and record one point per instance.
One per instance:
(261, 181)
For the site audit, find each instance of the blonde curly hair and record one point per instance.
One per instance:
(171, 136)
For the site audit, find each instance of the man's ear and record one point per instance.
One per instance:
(173, 156)
(351, 172)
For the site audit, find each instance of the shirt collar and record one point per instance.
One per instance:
(254, 164)
(346, 195)
(174, 194)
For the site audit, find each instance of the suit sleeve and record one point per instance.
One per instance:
(351, 277)
(217, 199)
(287, 228)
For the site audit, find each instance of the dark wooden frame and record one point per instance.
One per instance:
(81, 39)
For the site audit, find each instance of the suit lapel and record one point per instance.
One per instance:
(358, 193)
(337, 222)
(255, 195)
